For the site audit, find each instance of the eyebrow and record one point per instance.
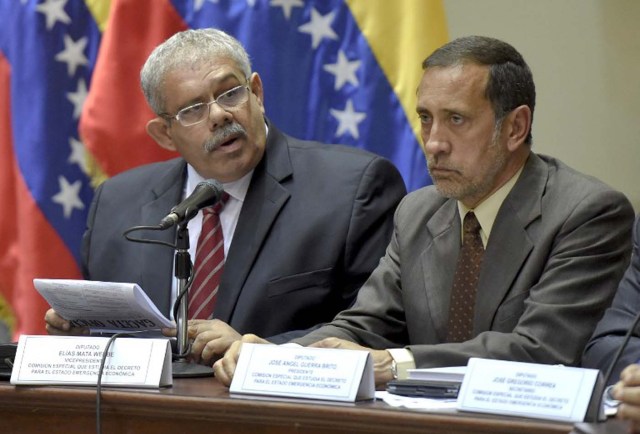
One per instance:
(229, 76)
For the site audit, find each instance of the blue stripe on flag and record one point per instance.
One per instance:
(46, 98)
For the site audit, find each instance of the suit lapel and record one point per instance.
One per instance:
(157, 270)
(439, 262)
(510, 242)
(265, 198)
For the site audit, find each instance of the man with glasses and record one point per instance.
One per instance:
(304, 223)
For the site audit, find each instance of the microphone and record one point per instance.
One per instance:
(205, 194)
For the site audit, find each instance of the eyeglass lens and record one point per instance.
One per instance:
(227, 101)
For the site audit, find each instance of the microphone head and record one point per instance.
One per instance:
(215, 189)
(206, 193)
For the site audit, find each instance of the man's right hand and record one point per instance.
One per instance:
(56, 325)
(225, 367)
(627, 391)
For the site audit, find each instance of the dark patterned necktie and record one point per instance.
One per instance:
(465, 282)
(209, 263)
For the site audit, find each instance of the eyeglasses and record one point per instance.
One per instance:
(229, 100)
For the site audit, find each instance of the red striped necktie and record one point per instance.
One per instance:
(209, 263)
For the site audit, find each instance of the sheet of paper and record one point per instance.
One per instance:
(415, 403)
(102, 305)
(450, 373)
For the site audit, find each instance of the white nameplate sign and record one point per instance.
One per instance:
(299, 372)
(75, 360)
(527, 389)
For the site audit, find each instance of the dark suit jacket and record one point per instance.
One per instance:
(558, 246)
(617, 320)
(315, 222)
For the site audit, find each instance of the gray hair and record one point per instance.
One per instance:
(510, 80)
(187, 49)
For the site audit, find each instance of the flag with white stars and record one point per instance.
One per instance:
(337, 71)
(47, 53)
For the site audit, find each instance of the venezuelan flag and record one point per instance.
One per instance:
(72, 113)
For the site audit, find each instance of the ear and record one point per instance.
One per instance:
(518, 126)
(158, 129)
(255, 83)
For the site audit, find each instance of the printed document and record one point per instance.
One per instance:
(106, 306)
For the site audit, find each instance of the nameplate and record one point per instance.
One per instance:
(300, 372)
(527, 389)
(75, 360)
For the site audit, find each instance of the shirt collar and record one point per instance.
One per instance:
(487, 211)
(236, 189)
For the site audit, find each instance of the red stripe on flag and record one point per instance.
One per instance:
(29, 246)
(115, 113)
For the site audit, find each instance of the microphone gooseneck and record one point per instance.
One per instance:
(623, 345)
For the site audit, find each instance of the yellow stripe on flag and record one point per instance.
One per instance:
(7, 315)
(401, 35)
(100, 11)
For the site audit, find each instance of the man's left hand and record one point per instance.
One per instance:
(381, 358)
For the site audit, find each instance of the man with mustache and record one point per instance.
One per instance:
(510, 255)
(304, 223)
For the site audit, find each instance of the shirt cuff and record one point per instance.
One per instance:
(404, 361)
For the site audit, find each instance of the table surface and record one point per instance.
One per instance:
(204, 405)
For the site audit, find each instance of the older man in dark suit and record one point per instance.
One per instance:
(303, 226)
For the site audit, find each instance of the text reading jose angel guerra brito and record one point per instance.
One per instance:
(302, 371)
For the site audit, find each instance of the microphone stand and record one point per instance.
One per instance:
(181, 367)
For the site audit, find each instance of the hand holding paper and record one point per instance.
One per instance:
(98, 305)
(56, 325)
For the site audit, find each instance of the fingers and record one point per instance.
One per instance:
(225, 367)
(628, 395)
(630, 413)
(56, 322)
(338, 343)
(169, 332)
(327, 343)
(56, 325)
(254, 339)
(627, 390)
(630, 376)
(211, 338)
(210, 349)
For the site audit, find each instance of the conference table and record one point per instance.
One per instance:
(203, 405)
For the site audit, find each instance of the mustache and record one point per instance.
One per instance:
(224, 134)
(438, 163)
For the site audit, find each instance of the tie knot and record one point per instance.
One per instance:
(471, 226)
(217, 207)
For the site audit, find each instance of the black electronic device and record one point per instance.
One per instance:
(424, 388)
(7, 356)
